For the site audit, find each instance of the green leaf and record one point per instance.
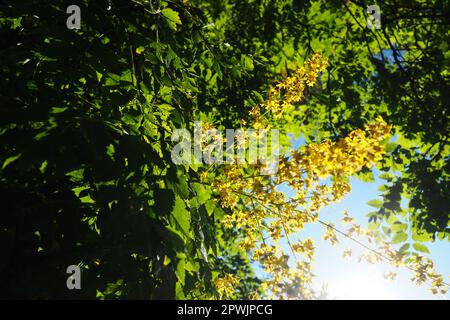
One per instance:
(366, 176)
(182, 216)
(420, 247)
(404, 248)
(191, 266)
(399, 237)
(87, 199)
(422, 237)
(9, 160)
(140, 49)
(180, 271)
(56, 110)
(258, 97)
(179, 294)
(99, 76)
(203, 193)
(386, 176)
(398, 226)
(76, 175)
(210, 206)
(78, 190)
(172, 17)
(376, 203)
(247, 63)
(390, 146)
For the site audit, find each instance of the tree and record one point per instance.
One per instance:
(87, 117)
(399, 71)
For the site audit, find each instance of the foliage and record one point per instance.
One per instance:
(87, 116)
(87, 176)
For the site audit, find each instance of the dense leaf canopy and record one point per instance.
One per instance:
(86, 174)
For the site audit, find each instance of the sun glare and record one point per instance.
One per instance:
(361, 285)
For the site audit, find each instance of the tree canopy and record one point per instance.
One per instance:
(87, 117)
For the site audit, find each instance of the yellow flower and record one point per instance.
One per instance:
(225, 285)
(390, 275)
(285, 94)
(347, 253)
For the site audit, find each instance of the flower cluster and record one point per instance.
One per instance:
(424, 271)
(290, 91)
(422, 268)
(225, 284)
(260, 210)
(345, 157)
(318, 175)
